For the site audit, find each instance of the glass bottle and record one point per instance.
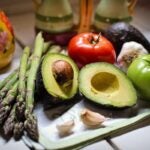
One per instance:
(55, 19)
(111, 11)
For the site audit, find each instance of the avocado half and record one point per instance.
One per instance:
(51, 85)
(105, 84)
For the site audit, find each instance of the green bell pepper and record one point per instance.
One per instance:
(139, 73)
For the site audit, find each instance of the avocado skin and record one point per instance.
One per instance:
(111, 111)
(122, 32)
(48, 100)
(40, 91)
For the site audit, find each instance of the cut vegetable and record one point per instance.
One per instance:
(105, 84)
(60, 76)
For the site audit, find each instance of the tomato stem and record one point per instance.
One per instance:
(93, 41)
(98, 38)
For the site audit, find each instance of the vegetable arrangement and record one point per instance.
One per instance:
(139, 73)
(56, 77)
(17, 94)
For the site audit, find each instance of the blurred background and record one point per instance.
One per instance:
(16, 8)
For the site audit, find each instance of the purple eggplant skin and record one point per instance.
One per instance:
(121, 32)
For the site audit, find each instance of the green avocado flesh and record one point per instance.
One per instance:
(49, 81)
(105, 84)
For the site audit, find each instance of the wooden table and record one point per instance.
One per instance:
(23, 23)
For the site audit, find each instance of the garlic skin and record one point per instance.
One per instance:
(91, 119)
(129, 51)
(66, 127)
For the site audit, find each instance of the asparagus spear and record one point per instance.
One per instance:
(31, 121)
(4, 111)
(46, 47)
(11, 126)
(54, 49)
(31, 126)
(18, 130)
(6, 104)
(7, 79)
(20, 105)
(12, 93)
(10, 122)
(8, 85)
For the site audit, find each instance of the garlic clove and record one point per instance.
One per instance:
(66, 127)
(92, 119)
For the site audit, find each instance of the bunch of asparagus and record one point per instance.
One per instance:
(17, 93)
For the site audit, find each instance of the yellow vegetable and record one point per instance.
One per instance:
(7, 44)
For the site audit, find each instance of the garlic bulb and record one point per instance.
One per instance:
(65, 128)
(92, 119)
(129, 51)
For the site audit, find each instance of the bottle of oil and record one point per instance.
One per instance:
(55, 19)
(111, 11)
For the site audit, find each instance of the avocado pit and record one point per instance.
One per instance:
(62, 71)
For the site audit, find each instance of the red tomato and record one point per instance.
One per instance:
(85, 48)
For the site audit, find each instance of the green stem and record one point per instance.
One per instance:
(35, 62)
(10, 122)
(46, 47)
(31, 121)
(54, 49)
(22, 73)
(8, 85)
(6, 105)
(7, 79)
(12, 93)
(20, 105)
(18, 130)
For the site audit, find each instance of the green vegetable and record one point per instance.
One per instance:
(105, 84)
(31, 121)
(35, 62)
(60, 76)
(20, 105)
(8, 78)
(6, 103)
(10, 122)
(8, 85)
(139, 73)
(18, 130)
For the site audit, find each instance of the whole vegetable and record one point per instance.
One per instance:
(85, 48)
(130, 51)
(139, 73)
(7, 45)
(121, 32)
